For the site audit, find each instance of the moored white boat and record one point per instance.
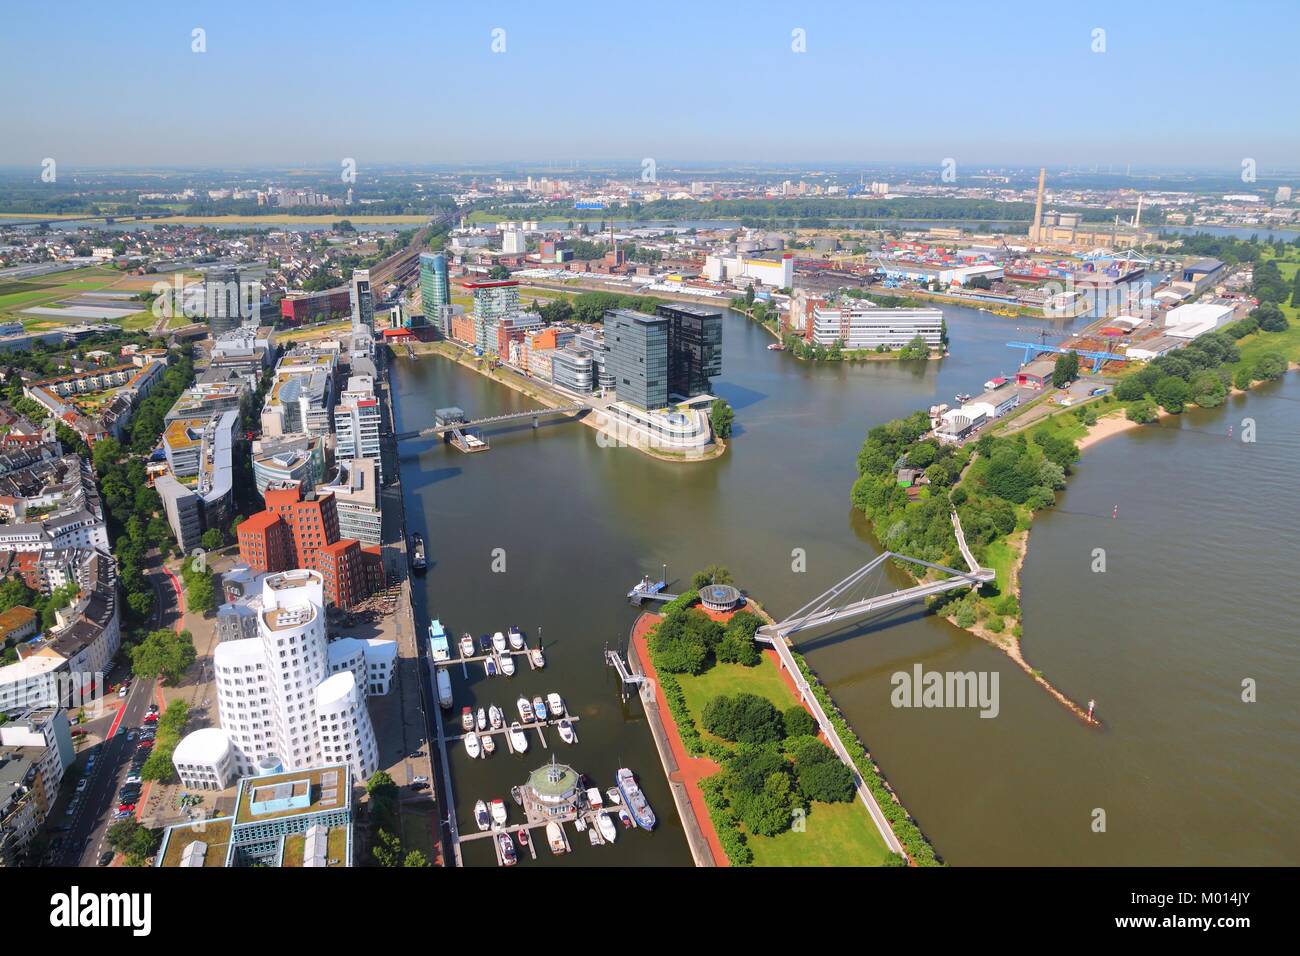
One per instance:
(516, 638)
(481, 815)
(594, 799)
(466, 645)
(498, 812)
(580, 824)
(518, 739)
(525, 710)
(508, 665)
(507, 849)
(499, 642)
(625, 818)
(444, 688)
(490, 667)
(495, 717)
(614, 798)
(467, 718)
(555, 704)
(593, 837)
(607, 828)
(539, 659)
(539, 708)
(480, 720)
(472, 745)
(566, 731)
(489, 745)
(555, 837)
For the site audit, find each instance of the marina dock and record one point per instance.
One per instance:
(505, 731)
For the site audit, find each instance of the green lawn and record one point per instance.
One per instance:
(837, 834)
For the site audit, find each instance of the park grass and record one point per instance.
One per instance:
(321, 332)
(999, 556)
(417, 831)
(836, 834)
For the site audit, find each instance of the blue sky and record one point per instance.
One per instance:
(1185, 83)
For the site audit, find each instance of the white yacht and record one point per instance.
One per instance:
(566, 731)
(481, 815)
(498, 812)
(607, 828)
(499, 642)
(481, 720)
(508, 665)
(518, 739)
(516, 638)
(555, 704)
(472, 745)
(489, 745)
(495, 717)
(539, 659)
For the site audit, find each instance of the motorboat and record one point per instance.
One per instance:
(508, 665)
(516, 638)
(594, 799)
(418, 560)
(466, 645)
(485, 644)
(555, 837)
(481, 815)
(580, 824)
(438, 641)
(539, 659)
(625, 818)
(518, 795)
(525, 710)
(472, 746)
(498, 812)
(490, 666)
(467, 718)
(555, 704)
(539, 708)
(499, 642)
(607, 828)
(614, 798)
(635, 799)
(523, 836)
(489, 745)
(507, 849)
(480, 721)
(593, 837)
(566, 731)
(444, 689)
(518, 739)
(495, 717)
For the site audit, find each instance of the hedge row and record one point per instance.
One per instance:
(686, 729)
(733, 841)
(908, 833)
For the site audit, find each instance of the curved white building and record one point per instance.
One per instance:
(346, 734)
(205, 760)
(267, 685)
(372, 662)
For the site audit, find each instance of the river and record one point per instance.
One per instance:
(1184, 772)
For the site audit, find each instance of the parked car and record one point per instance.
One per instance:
(121, 691)
(151, 718)
(125, 807)
(131, 735)
(82, 784)
(121, 814)
(153, 708)
(106, 858)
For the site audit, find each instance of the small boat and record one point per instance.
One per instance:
(614, 798)
(516, 638)
(625, 818)
(539, 708)
(444, 688)
(580, 824)
(507, 849)
(485, 644)
(489, 745)
(518, 739)
(466, 645)
(467, 718)
(499, 642)
(438, 646)
(480, 721)
(555, 703)
(594, 799)
(555, 837)
(776, 347)
(525, 710)
(539, 659)
(508, 665)
(518, 795)
(566, 731)
(490, 667)
(593, 837)
(498, 812)
(495, 717)
(481, 815)
(607, 828)
(523, 837)
(472, 745)
(635, 799)
(417, 553)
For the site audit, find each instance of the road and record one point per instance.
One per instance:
(84, 842)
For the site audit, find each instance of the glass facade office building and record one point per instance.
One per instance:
(638, 357)
(694, 347)
(435, 290)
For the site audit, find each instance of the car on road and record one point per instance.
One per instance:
(151, 718)
(125, 807)
(72, 808)
(133, 776)
(153, 708)
(143, 745)
(419, 780)
(131, 735)
(106, 858)
(121, 691)
(121, 814)
(82, 784)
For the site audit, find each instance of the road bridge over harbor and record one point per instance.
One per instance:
(576, 410)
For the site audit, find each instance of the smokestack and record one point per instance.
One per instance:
(1035, 233)
(1137, 219)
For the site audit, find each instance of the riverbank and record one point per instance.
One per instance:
(595, 419)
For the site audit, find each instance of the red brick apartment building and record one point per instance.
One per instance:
(297, 532)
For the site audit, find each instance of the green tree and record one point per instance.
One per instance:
(164, 653)
(713, 574)
(1270, 367)
(15, 593)
(416, 859)
(387, 849)
(827, 780)
(1172, 393)
(1066, 369)
(722, 418)
(1208, 390)
(744, 718)
(212, 539)
(798, 722)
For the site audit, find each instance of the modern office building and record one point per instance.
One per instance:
(863, 326)
(205, 760)
(593, 340)
(276, 698)
(493, 301)
(184, 510)
(357, 423)
(362, 299)
(638, 357)
(372, 662)
(694, 348)
(435, 287)
(222, 299)
(571, 368)
(198, 494)
(355, 487)
(295, 457)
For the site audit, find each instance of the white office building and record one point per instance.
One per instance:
(863, 326)
(205, 760)
(372, 661)
(270, 696)
(356, 423)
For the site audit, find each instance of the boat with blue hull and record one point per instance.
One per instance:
(635, 800)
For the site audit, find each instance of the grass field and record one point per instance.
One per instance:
(837, 834)
(48, 290)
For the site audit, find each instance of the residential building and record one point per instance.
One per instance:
(357, 421)
(493, 301)
(859, 325)
(362, 300)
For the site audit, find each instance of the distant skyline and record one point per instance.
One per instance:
(1193, 85)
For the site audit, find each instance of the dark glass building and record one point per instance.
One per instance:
(638, 356)
(694, 347)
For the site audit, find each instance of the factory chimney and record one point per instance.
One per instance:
(1035, 233)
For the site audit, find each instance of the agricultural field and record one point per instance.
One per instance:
(48, 291)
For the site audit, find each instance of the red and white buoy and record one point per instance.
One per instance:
(1115, 512)
(1091, 705)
